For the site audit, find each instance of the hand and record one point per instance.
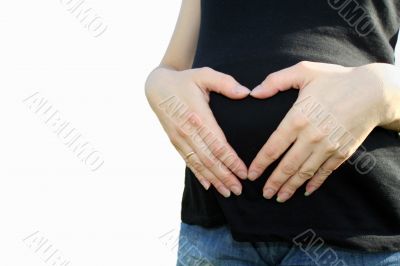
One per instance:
(180, 100)
(336, 109)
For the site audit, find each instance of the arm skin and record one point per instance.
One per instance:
(358, 99)
(182, 47)
(179, 96)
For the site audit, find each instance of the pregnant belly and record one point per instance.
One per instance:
(247, 125)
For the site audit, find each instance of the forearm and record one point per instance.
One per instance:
(182, 47)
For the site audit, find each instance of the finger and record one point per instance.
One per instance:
(202, 179)
(322, 174)
(278, 143)
(221, 149)
(214, 143)
(296, 76)
(194, 162)
(306, 172)
(289, 165)
(211, 80)
(343, 151)
(204, 182)
(217, 167)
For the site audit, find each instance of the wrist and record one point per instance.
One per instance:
(387, 84)
(157, 77)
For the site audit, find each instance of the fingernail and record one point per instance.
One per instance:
(236, 190)
(205, 184)
(268, 193)
(257, 89)
(241, 90)
(310, 190)
(242, 174)
(253, 175)
(225, 192)
(282, 197)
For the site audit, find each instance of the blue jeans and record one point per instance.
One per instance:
(200, 246)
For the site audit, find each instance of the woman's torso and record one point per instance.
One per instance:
(249, 40)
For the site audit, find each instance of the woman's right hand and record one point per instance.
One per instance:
(180, 100)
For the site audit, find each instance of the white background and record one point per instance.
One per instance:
(113, 216)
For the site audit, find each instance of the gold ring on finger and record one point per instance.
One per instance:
(189, 154)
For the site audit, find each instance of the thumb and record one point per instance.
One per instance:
(295, 77)
(210, 80)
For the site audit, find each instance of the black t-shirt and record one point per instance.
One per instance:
(249, 40)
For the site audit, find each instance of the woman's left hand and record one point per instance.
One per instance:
(336, 110)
